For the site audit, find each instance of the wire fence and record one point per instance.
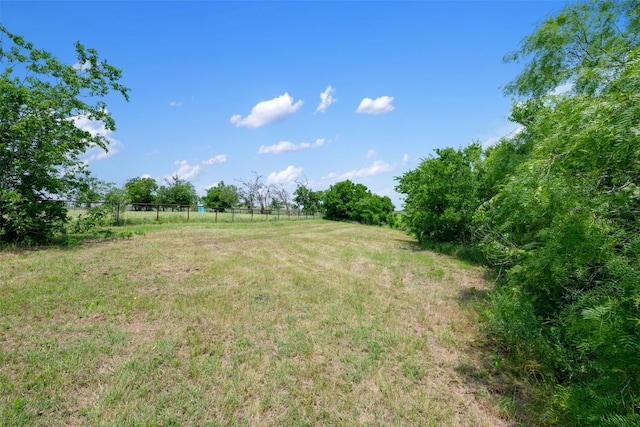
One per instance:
(143, 213)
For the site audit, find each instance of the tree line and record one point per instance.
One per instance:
(555, 211)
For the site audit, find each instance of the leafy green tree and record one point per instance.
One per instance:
(178, 193)
(40, 145)
(347, 201)
(221, 196)
(442, 194)
(141, 192)
(563, 227)
(308, 200)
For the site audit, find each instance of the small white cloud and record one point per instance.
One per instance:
(284, 176)
(371, 154)
(284, 146)
(97, 128)
(376, 106)
(82, 67)
(186, 171)
(217, 160)
(266, 112)
(405, 159)
(175, 104)
(145, 175)
(378, 167)
(326, 99)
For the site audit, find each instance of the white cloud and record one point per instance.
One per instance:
(175, 104)
(189, 172)
(507, 131)
(97, 128)
(283, 146)
(82, 67)
(216, 160)
(287, 175)
(405, 159)
(326, 99)
(376, 106)
(145, 175)
(266, 112)
(371, 154)
(378, 167)
(186, 171)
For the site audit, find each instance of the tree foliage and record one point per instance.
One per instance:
(557, 213)
(442, 194)
(308, 200)
(177, 192)
(40, 145)
(141, 192)
(222, 196)
(347, 201)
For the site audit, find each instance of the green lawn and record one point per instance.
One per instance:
(267, 323)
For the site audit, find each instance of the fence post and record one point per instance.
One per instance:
(233, 211)
(158, 212)
(188, 207)
(216, 211)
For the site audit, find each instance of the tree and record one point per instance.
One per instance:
(308, 200)
(178, 193)
(564, 224)
(442, 194)
(221, 197)
(40, 145)
(254, 190)
(142, 192)
(347, 201)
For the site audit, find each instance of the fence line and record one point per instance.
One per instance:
(135, 213)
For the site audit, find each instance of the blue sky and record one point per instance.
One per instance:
(313, 91)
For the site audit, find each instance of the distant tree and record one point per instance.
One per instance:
(221, 196)
(308, 200)
(41, 100)
(281, 199)
(141, 191)
(355, 202)
(255, 191)
(90, 190)
(178, 193)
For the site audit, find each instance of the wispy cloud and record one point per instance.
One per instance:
(376, 168)
(326, 99)
(188, 172)
(508, 130)
(266, 112)
(371, 154)
(288, 175)
(97, 128)
(405, 159)
(175, 104)
(216, 160)
(284, 146)
(379, 105)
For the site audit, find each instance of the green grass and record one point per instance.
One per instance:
(270, 323)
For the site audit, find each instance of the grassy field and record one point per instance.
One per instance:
(281, 323)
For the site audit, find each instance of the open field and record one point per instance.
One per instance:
(279, 323)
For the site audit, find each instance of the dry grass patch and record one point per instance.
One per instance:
(309, 323)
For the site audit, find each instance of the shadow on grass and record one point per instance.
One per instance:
(488, 372)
